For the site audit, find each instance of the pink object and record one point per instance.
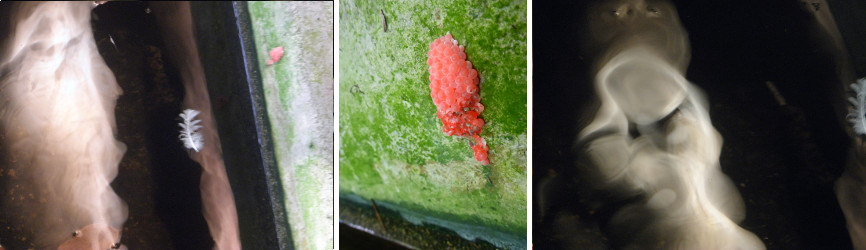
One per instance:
(276, 54)
(455, 91)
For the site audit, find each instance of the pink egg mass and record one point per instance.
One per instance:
(276, 54)
(454, 89)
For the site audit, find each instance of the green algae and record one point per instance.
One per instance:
(391, 144)
(299, 99)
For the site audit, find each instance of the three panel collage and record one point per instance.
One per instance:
(439, 124)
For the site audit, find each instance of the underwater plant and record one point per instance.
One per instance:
(857, 114)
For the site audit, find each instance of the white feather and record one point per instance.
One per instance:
(188, 133)
(857, 114)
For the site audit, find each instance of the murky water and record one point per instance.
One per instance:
(652, 135)
(58, 99)
(781, 157)
(159, 182)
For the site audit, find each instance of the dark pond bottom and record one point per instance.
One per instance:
(157, 179)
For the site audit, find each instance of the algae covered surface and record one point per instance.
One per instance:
(392, 148)
(299, 98)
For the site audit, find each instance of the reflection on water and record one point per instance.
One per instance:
(57, 101)
(652, 135)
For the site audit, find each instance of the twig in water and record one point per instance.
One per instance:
(779, 98)
(384, 21)
(376, 209)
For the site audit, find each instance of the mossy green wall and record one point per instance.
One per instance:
(392, 148)
(299, 92)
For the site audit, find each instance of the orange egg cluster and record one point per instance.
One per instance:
(454, 89)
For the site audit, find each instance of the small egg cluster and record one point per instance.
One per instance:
(276, 54)
(454, 89)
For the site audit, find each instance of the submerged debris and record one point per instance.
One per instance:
(189, 134)
(384, 21)
(376, 209)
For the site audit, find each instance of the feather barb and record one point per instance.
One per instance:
(189, 135)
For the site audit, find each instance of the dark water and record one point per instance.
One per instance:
(388, 224)
(783, 159)
(157, 180)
